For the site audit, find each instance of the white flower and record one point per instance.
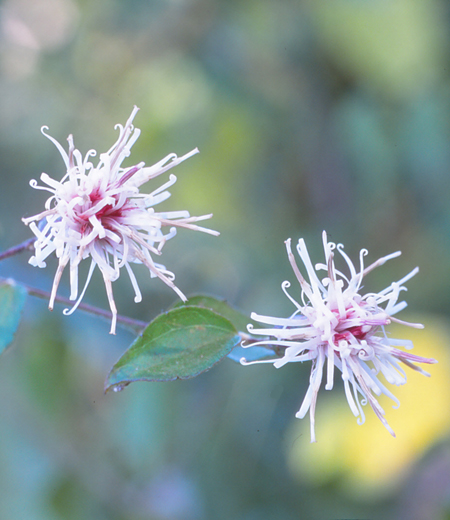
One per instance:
(98, 212)
(335, 325)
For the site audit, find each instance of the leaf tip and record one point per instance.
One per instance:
(115, 387)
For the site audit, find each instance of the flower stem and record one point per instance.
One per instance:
(15, 250)
(126, 322)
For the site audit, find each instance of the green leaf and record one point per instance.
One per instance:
(178, 344)
(238, 319)
(12, 300)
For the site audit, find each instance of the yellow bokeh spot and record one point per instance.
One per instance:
(394, 46)
(365, 459)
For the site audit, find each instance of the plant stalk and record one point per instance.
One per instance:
(129, 323)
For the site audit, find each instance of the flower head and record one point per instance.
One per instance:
(336, 326)
(98, 212)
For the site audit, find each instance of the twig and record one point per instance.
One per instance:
(17, 249)
(130, 323)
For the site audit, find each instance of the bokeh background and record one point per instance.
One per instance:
(309, 115)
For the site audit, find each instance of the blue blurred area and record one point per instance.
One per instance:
(330, 115)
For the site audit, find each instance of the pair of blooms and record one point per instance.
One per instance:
(98, 212)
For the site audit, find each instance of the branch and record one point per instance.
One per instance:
(129, 323)
(18, 249)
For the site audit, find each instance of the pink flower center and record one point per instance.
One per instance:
(104, 214)
(355, 332)
(359, 332)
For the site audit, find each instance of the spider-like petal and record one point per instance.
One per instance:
(98, 212)
(336, 325)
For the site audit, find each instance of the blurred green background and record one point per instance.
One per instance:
(309, 115)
